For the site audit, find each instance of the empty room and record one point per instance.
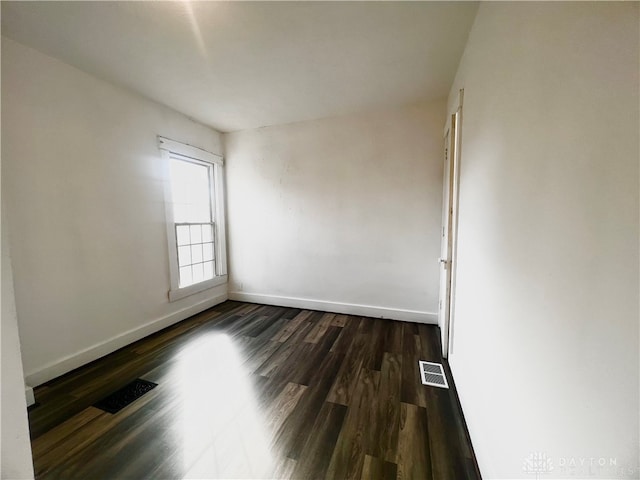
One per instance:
(320, 240)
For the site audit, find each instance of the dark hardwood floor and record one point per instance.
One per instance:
(253, 391)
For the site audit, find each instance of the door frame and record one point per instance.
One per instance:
(451, 194)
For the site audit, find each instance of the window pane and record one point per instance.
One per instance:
(207, 234)
(184, 255)
(191, 191)
(180, 210)
(182, 235)
(196, 234)
(208, 270)
(198, 273)
(207, 251)
(186, 278)
(196, 253)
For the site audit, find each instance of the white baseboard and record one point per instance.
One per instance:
(28, 392)
(337, 307)
(68, 363)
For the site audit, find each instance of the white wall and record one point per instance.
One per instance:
(343, 213)
(15, 445)
(85, 203)
(546, 315)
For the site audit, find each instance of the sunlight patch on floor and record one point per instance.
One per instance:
(220, 424)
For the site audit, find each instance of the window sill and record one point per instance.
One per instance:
(179, 293)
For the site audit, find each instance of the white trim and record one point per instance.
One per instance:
(189, 151)
(66, 364)
(337, 307)
(451, 190)
(171, 149)
(28, 392)
(444, 268)
(220, 223)
(196, 288)
(168, 209)
(454, 220)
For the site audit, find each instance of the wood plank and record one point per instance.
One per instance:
(283, 406)
(320, 328)
(411, 391)
(373, 360)
(348, 457)
(312, 354)
(384, 444)
(279, 358)
(291, 326)
(378, 469)
(284, 469)
(295, 429)
(413, 458)
(430, 350)
(61, 432)
(339, 321)
(345, 383)
(317, 451)
(347, 335)
(393, 338)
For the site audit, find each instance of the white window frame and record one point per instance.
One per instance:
(171, 149)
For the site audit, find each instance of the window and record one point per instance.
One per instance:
(195, 218)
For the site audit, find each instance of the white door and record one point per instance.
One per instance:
(446, 246)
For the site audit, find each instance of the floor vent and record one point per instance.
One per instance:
(433, 374)
(126, 395)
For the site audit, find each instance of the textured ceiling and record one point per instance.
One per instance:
(240, 65)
